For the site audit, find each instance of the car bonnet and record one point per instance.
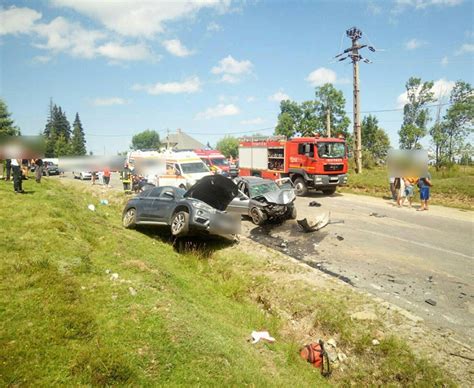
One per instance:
(280, 197)
(215, 190)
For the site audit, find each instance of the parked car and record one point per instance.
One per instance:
(200, 210)
(269, 200)
(50, 168)
(82, 175)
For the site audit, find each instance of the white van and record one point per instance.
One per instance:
(179, 169)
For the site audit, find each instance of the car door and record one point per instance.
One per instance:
(239, 205)
(147, 199)
(164, 204)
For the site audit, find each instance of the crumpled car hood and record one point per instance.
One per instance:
(280, 197)
(215, 190)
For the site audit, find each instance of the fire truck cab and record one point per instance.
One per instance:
(310, 162)
(216, 162)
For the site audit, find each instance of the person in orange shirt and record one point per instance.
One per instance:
(106, 174)
(409, 188)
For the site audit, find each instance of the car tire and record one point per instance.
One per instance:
(129, 219)
(301, 188)
(329, 191)
(180, 224)
(291, 213)
(257, 216)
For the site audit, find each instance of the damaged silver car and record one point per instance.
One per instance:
(268, 200)
(200, 210)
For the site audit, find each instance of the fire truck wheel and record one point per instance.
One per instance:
(258, 218)
(301, 188)
(330, 191)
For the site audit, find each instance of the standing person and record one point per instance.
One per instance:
(400, 189)
(38, 170)
(393, 191)
(106, 176)
(424, 183)
(126, 179)
(409, 189)
(17, 176)
(8, 168)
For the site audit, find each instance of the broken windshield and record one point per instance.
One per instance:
(262, 189)
(331, 150)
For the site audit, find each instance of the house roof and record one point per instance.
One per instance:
(182, 141)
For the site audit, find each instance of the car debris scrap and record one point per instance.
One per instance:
(314, 204)
(321, 222)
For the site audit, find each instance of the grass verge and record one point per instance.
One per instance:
(83, 301)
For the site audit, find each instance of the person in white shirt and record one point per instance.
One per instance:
(17, 182)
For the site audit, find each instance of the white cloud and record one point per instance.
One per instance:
(279, 96)
(444, 61)
(232, 69)
(119, 52)
(374, 8)
(465, 48)
(190, 85)
(141, 18)
(255, 121)
(175, 47)
(414, 43)
(441, 88)
(109, 101)
(422, 4)
(323, 75)
(213, 27)
(251, 99)
(17, 20)
(42, 59)
(219, 110)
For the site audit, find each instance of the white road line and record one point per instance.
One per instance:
(419, 243)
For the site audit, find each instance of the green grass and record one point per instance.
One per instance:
(63, 321)
(451, 187)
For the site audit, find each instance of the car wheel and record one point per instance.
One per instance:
(301, 188)
(180, 224)
(129, 219)
(81, 177)
(330, 191)
(258, 217)
(291, 213)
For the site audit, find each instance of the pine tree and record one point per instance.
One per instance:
(7, 127)
(78, 142)
(61, 147)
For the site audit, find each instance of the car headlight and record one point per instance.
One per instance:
(203, 207)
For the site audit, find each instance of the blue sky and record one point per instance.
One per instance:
(215, 67)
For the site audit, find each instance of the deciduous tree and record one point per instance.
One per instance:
(415, 113)
(228, 146)
(146, 140)
(374, 139)
(330, 101)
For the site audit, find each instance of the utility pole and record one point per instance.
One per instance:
(328, 122)
(353, 53)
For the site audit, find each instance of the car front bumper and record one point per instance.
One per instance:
(215, 223)
(329, 180)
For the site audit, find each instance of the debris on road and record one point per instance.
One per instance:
(114, 276)
(319, 224)
(340, 238)
(316, 355)
(132, 291)
(314, 204)
(375, 342)
(104, 202)
(91, 207)
(431, 302)
(261, 335)
(377, 215)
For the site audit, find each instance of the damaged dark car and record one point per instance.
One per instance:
(268, 200)
(200, 210)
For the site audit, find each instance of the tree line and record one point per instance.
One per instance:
(60, 140)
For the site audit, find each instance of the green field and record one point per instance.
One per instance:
(453, 187)
(166, 318)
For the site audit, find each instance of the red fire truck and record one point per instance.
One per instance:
(311, 162)
(214, 160)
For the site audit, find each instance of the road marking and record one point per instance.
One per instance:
(421, 244)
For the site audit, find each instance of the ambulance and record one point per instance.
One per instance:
(168, 168)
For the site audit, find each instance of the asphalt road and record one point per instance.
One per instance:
(401, 255)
